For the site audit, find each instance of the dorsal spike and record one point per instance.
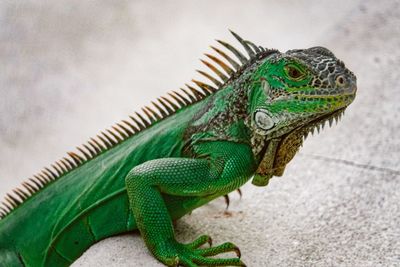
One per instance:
(3, 211)
(226, 68)
(192, 98)
(228, 58)
(19, 195)
(37, 180)
(87, 156)
(51, 172)
(133, 127)
(120, 132)
(166, 105)
(255, 48)
(48, 175)
(98, 144)
(71, 164)
(119, 139)
(125, 129)
(29, 187)
(143, 120)
(96, 149)
(75, 158)
(57, 169)
(42, 178)
(155, 114)
(65, 163)
(109, 139)
(261, 48)
(11, 203)
(236, 52)
(91, 152)
(205, 86)
(6, 203)
(106, 143)
(138, 123)
(149, 115)
(249, 51)
(13, 200)
(160, 109)
(195, 92)
(214, 69)
(22, 195)
(174, 106)
(61, 166)
(177, 99)
(211, 78)
(5, 208)
(182, 97)
(36, 183)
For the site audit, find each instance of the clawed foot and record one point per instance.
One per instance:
(191, 255)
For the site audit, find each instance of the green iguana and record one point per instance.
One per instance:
(191, 147)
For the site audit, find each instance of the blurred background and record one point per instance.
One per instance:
(71, 68)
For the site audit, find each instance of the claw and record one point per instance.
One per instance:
(237, 251)
(239, 192)
(226, 197)
(209, 241)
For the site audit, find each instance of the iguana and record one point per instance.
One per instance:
(190, 147)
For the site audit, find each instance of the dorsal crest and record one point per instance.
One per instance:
(223, 66)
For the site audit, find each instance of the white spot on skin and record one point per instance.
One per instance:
(263, 120)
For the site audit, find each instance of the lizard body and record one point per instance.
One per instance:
(189, 149)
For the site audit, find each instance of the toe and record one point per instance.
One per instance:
(225, 247)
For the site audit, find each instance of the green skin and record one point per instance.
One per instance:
(180, 163)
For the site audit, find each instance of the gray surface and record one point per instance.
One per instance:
(70, 68)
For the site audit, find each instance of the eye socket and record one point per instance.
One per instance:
(294, 72)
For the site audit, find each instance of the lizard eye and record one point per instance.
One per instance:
(294, 73)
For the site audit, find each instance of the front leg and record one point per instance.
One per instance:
(222, 171)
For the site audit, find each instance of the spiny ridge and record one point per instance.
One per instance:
(161, 108)
(320, 124)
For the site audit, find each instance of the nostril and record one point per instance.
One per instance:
(340, 80)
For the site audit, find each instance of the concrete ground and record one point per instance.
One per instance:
(71, 68)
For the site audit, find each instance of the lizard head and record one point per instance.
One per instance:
(294, 93)
(299, 88)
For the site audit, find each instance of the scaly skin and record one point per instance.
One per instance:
(251, 126)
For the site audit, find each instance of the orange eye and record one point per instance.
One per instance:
(294, 73)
